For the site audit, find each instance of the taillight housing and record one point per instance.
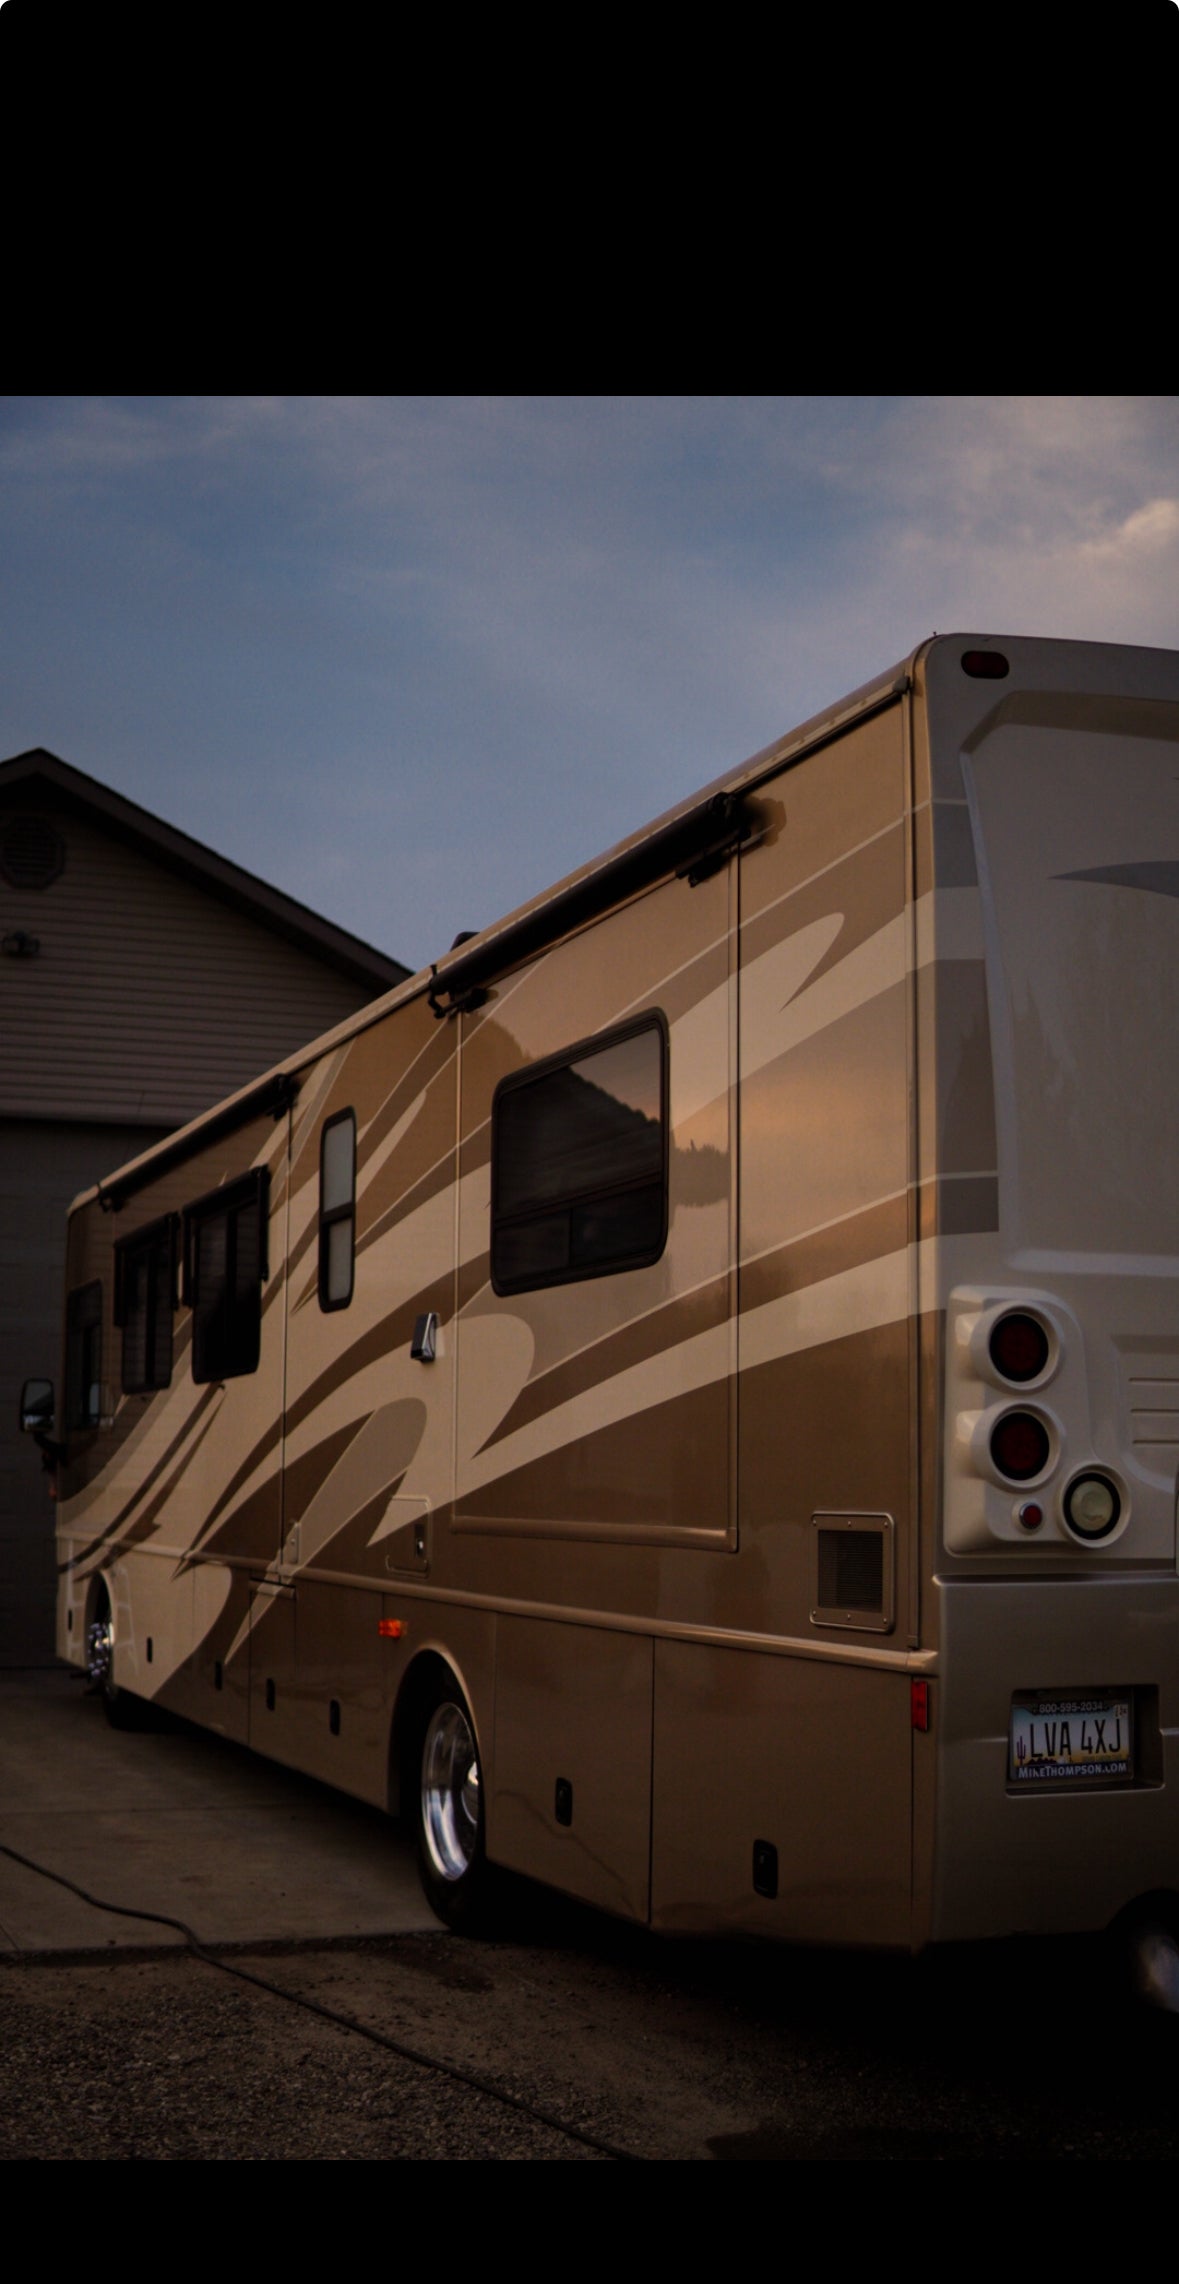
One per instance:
(1020, 1446)
(1019, 1347)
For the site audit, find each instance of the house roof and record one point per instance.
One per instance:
(41, 780)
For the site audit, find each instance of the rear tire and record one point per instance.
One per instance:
(458, 1880)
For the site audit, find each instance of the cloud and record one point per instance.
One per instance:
(1148, 531)
(414, 657)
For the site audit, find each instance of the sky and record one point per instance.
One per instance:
(413, 659)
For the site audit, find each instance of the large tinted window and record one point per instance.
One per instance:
(145, 1289)
(579, 1163)
(225, 1267)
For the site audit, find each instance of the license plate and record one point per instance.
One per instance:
(1056, 1740)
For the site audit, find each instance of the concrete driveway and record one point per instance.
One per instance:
(176, 1821)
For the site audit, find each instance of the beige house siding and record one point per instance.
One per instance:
(145, 996)
(144, 980)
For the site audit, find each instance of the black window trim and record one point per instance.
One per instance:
(652, 1019)
(253, 1187)
(80, 1420)
(334, 1214)
(152, 1234)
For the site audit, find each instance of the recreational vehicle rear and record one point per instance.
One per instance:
(683, 1397)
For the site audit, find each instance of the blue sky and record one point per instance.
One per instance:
(414, 658)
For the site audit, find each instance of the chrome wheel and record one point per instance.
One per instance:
(450, 1826)
(99, 1651)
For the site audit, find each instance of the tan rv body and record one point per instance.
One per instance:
(898, 1016)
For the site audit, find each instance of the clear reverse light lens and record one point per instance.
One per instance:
(1092, 1507)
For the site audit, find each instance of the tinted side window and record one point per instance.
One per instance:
(337, 1210)
(84, 1357)
(224, 1271)
(145, 1292)
(579, 1163)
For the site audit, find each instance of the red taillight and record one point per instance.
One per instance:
(1020, 1446)
(1019, 1347)
(919, 1704)
(987, 665)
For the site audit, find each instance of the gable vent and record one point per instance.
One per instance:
(32, 851)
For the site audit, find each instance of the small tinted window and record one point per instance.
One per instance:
(84, 1357)
(337, 1210)
(579, 1163)
(224, 1271)
(145, 1292)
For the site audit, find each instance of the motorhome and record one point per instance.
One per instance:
(681, 1398)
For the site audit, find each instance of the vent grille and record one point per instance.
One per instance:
(852, 1573)
(1154, 1413)
(32, 851)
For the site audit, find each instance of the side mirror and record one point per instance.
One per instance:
(36, 1407)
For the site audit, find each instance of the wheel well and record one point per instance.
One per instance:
(417, 1691)
(97, 1592)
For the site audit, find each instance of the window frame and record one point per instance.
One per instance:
(80, 1415)
(151, 1239)
(534, 1074)
(252, 1189)
(331, 1216)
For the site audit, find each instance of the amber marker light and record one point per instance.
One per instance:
(391, 1629)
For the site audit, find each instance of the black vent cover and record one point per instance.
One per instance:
(32, 851)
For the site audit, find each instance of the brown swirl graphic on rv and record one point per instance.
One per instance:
(345, 1477)
(120, 1440)
(1160, 876)
(95, 1463)
(375, 1343)
(695, 1175)
(393, 1161)
(139, 1429)
(432, 1062)
(958, 1205)
(819, 951)
(432, 1184)
(865, 888)
(136, 1519)
(808, 1260)
(861, 1299)
(260, 1450)
(380, 1337)
(662, 1329)
(254, 1523)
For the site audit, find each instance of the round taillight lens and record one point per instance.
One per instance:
(1019, 1347)
(1092, 1507)
(1020, 1446)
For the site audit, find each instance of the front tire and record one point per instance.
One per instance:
(452, 1861)
(122, 1710)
